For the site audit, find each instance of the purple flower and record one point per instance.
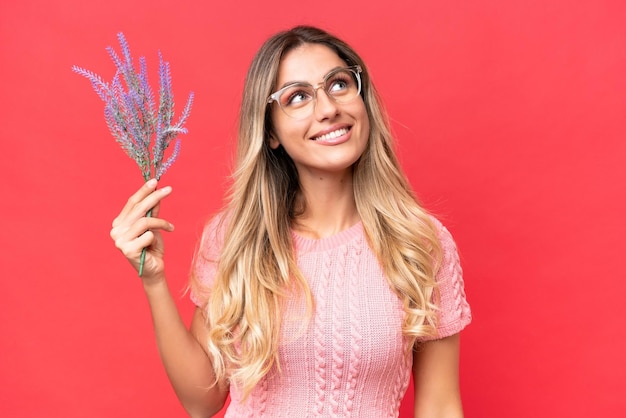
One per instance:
(131, 114)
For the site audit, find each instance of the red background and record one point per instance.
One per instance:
(510, 118)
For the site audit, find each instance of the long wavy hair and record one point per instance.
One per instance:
(256, 265)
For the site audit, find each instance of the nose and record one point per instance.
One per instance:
(325, 106)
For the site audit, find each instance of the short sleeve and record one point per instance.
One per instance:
(454, 311)
(204, 266)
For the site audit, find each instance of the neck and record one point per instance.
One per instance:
(329, 206)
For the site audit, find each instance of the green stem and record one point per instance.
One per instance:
(142, 259)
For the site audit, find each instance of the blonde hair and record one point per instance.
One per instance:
(256, 266)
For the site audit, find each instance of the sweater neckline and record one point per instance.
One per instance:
(303, 244)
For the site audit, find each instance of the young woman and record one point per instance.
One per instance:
(323, 284)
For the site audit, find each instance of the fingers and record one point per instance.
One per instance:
(131, 231)
(144, 199)
(155, 210)
(131, 239)
(130, 226)
(147, 188)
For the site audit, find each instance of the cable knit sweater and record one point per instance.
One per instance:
(351, 360)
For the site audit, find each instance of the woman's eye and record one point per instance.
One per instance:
(297, 97)
(338, 85)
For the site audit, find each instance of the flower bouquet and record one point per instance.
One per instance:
(132, 116)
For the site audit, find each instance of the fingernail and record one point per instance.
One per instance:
(166, 189)
(151, 183)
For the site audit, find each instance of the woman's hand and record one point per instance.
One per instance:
(132, 231)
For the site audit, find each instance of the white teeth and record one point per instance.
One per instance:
(333, 134)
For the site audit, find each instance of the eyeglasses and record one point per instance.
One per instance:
(298, 100)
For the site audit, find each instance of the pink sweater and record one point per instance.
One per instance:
(351, 360)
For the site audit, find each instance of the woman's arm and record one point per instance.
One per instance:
(436, 378)
(186, 363)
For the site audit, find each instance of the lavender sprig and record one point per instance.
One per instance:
(131, 115)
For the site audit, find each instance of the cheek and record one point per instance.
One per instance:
(286, 129)
(360, 111)
(364, 120)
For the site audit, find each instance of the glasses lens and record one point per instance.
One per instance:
(297, 100)
(342, 85)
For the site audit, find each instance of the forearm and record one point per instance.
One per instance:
(186, 363)
(436, 378)
(452, 408)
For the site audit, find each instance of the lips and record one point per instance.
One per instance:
(329, 136)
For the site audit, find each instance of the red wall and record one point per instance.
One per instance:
(511, 122)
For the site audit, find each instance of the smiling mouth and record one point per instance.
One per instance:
(332, 135)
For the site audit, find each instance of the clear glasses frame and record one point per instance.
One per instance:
(310, 106)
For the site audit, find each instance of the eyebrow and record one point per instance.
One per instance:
(291, 83)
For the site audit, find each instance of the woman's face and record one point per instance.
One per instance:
(335, 135)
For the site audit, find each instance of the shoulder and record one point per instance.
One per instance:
(213, 233)
(442, 232)
(449, 266)
(453, 309)
(205, 260)
(449, 250)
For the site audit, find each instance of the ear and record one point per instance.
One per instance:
(273, 141)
